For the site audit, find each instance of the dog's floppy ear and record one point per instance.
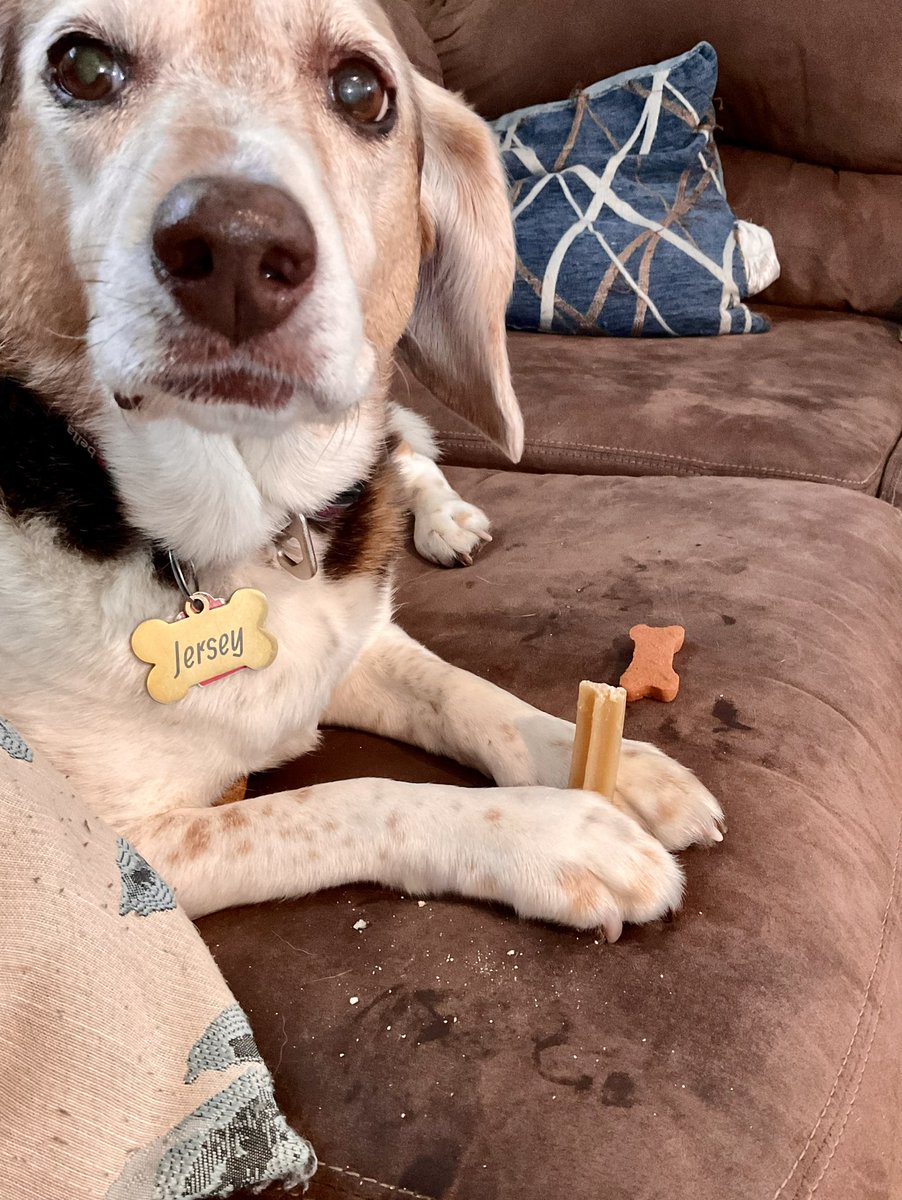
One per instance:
(8, 49)
(456, 341)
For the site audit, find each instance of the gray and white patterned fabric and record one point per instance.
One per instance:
(14, 745)
(228, 1042)
(143, 891)
(622, 224)
(236, 1139)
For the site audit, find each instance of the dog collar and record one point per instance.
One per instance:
(295, 552)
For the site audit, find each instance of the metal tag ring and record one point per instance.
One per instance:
(179, 576)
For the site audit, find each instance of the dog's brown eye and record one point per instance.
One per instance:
(83, 68)
(360, 94)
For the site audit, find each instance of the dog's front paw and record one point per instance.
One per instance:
(447, 530)
(572, 858)
(667, 798)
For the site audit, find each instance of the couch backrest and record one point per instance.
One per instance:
(812, 111)
(413, 37)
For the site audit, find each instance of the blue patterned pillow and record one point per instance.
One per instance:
(622, 224)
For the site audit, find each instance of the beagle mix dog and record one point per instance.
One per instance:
(219, 223)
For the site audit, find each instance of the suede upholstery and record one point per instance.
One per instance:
(415, 41)
(830, 228)
(817, 398)
(746, 1050)
(891, 487)
(819, 83)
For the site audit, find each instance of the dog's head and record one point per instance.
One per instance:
(236, 211)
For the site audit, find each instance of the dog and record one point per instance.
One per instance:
(220, 224)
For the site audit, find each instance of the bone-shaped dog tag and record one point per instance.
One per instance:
(210, 641)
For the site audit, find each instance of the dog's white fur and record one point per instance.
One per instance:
(215, 482)
(447, 529)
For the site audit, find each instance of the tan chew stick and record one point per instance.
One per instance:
(599, 733)
(651, 672)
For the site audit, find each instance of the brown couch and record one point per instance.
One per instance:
(748, 1049)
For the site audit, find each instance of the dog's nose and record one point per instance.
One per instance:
(235, 254)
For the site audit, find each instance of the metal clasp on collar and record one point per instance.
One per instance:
(295, 552)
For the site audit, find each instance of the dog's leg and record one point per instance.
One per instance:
(447, 530)
(559, 856)
(552, 854)
(401, 690)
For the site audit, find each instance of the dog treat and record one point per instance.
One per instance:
(651, 672)
(599, 733)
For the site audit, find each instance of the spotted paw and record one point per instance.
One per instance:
(573, 858)
(667, 798)
(669, 801)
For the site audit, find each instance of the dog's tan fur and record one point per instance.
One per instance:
(414, 248)
(220, 39)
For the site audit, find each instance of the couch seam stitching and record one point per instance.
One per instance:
(388, 1187)
(880, 955)
(588, 450)
(853, 1096)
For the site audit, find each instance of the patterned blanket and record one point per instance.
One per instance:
(129, 1073)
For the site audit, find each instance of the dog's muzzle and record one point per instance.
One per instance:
(237, 256)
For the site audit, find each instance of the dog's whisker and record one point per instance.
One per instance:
(399, 374)
(101, 343)
(65, 337)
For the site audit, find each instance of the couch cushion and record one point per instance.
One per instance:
(793, 77)
(831, 229)
(747, 1050)
(817, 398)
(416, 42)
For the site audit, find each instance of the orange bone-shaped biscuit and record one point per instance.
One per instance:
(651, 672)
